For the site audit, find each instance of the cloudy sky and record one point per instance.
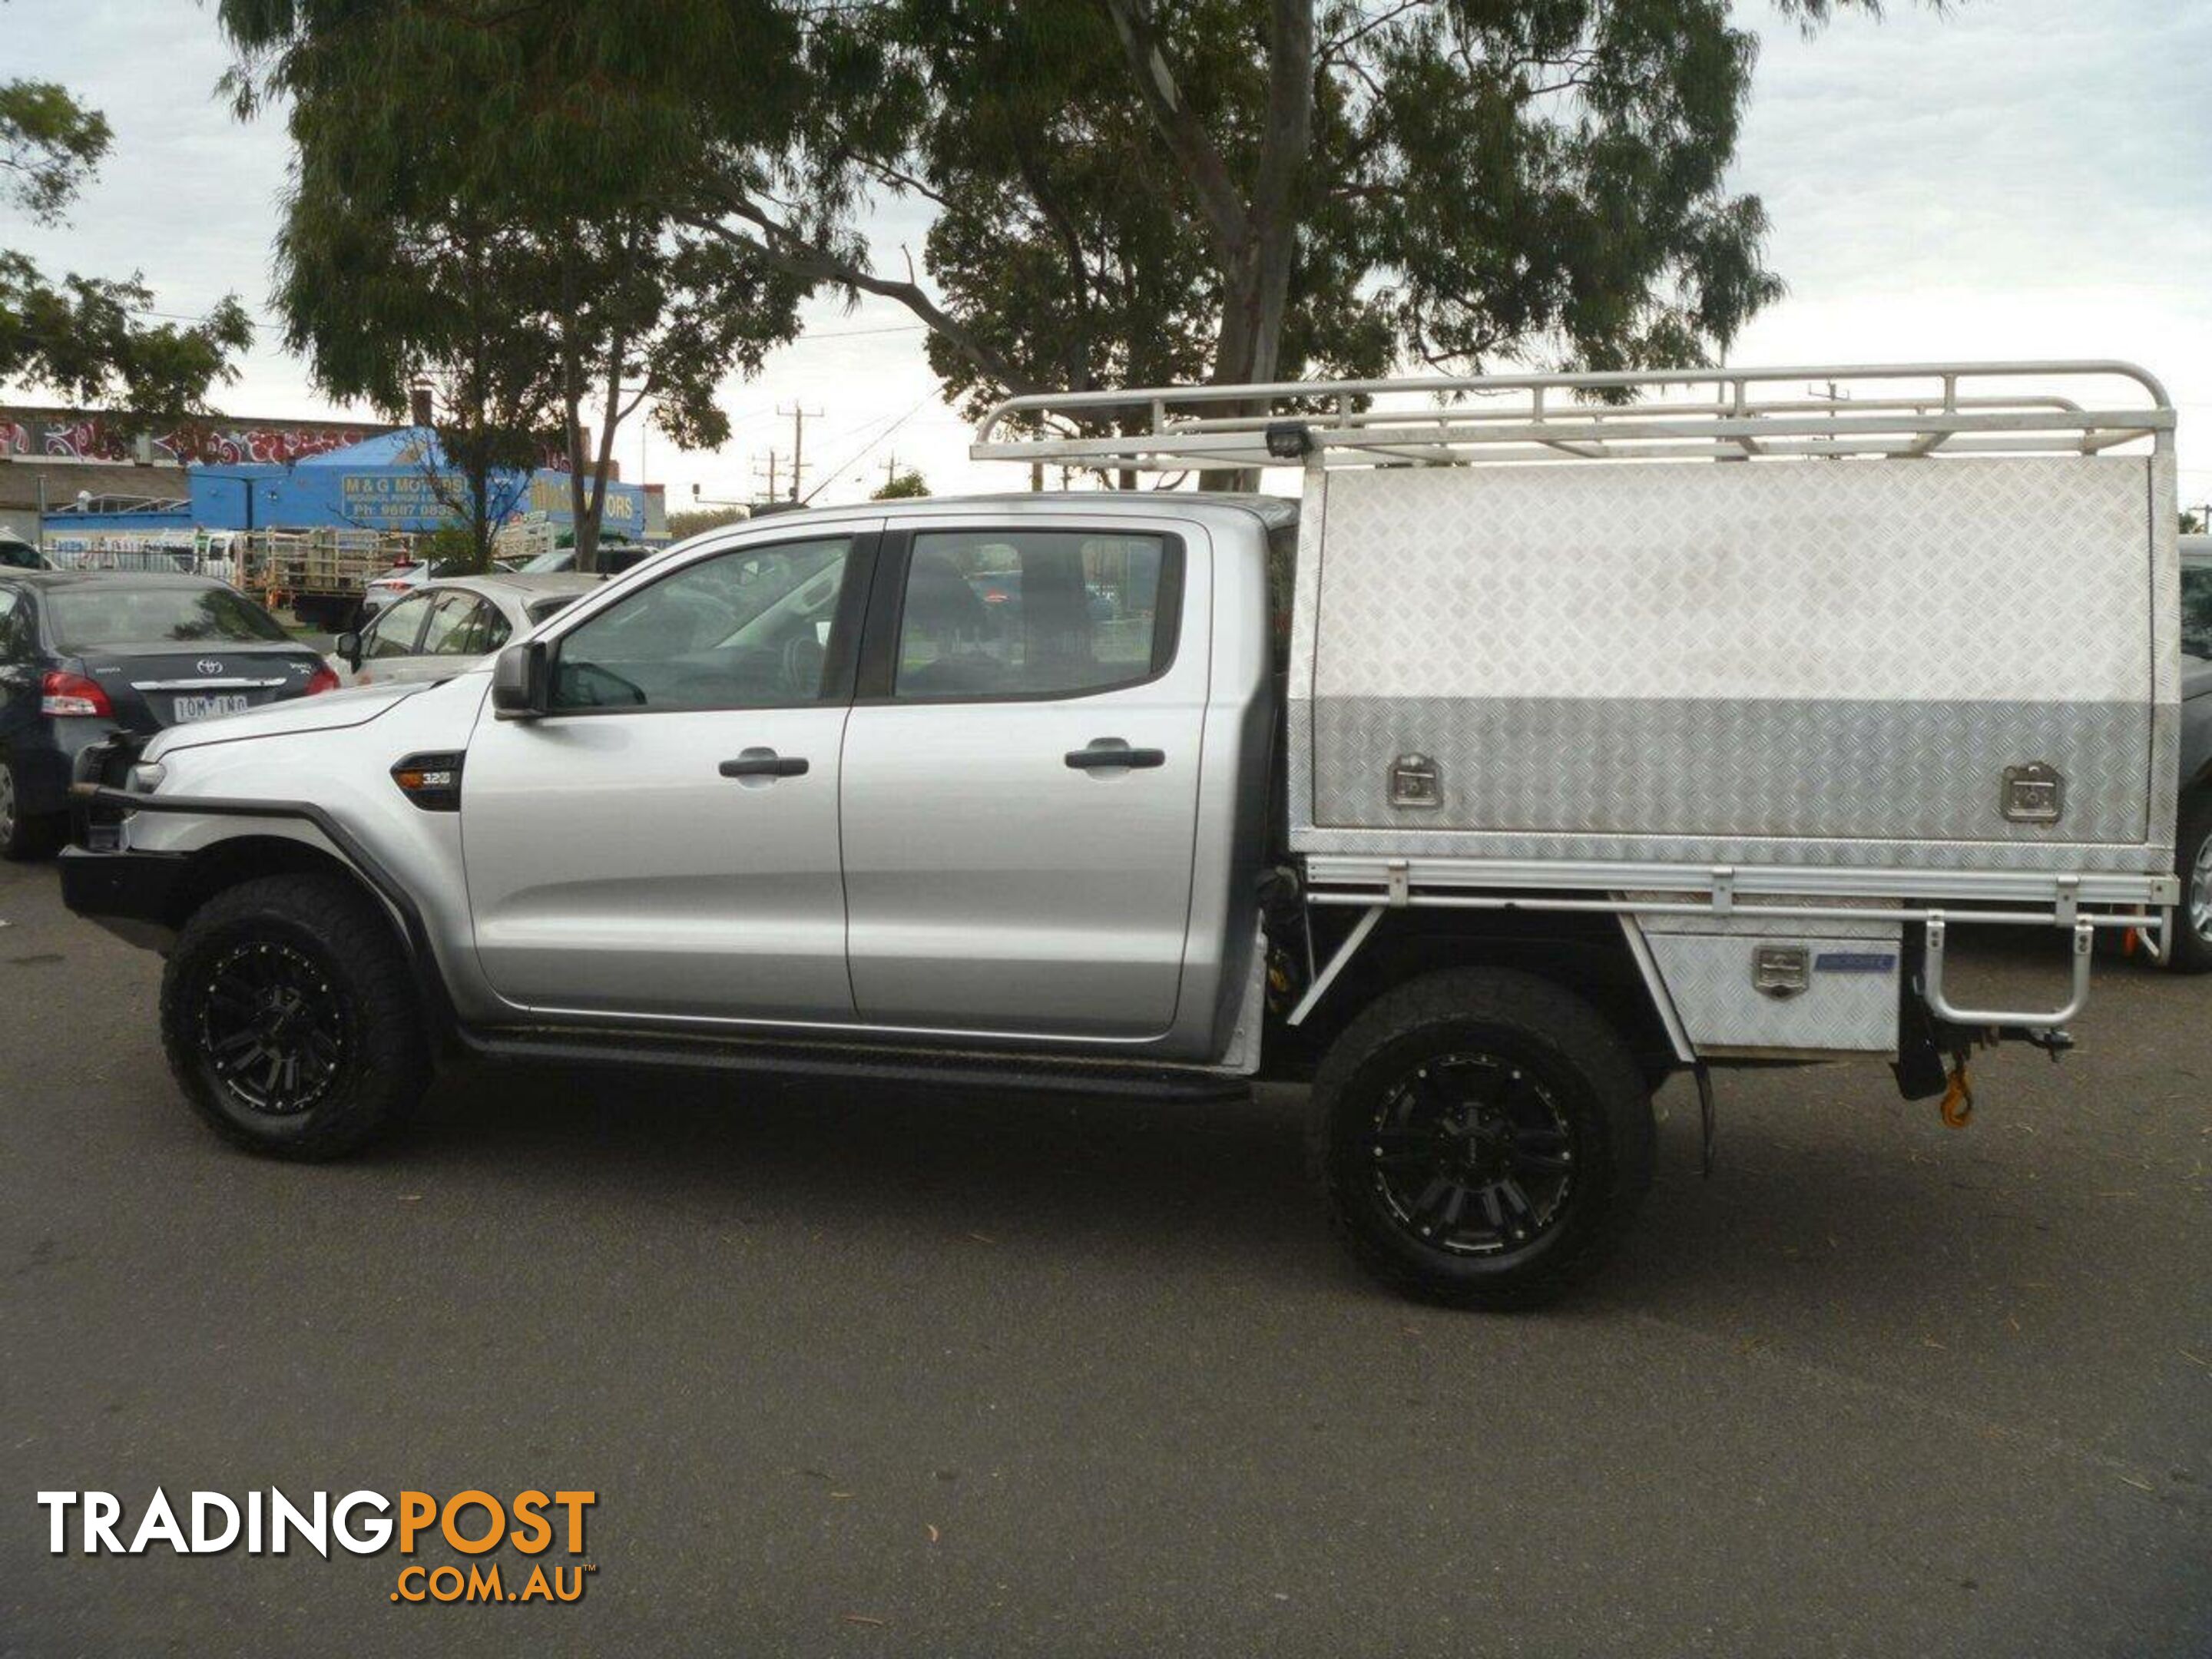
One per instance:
(2014, 178)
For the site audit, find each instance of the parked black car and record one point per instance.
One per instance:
(84, 653)
(2192, 942)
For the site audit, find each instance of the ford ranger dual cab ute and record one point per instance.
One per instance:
(1567, 732)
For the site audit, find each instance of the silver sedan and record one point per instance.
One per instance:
(449, 624)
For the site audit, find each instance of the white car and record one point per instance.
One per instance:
(448, 624)
(388, 587)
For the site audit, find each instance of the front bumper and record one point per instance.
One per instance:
(135, 895)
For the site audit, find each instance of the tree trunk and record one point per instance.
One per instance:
(1255, 287)
(480, 513)
(572, 428)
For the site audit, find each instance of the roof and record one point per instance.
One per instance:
(408, 446)
(522, 586)
(20, 475)
(52, 579)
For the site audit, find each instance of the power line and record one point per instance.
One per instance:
(839, 470)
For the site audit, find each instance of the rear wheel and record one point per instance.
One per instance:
(23, 834)
(291, 1020)
(1483, 1138)
(2191, 950)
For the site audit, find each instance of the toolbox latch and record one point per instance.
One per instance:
(1416, 780)
(1781, 970)
(2034, 793)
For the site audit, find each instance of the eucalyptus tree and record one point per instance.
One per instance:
(466, 204)
(86, 339)
(1138, 191)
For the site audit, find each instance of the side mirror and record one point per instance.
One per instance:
(348, 646)
(518, 681)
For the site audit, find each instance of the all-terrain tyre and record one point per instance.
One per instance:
(1482, 1138)
(291, 1018)
(2190, 948)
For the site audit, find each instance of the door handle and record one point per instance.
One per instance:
(764, 764)
(1113, 752)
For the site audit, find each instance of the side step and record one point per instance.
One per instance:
(931, 1068)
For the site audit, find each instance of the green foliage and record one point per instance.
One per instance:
(1469, 182)
(902, 487)
(468, 203)
(698, 521)
(50, 144)
(81, 336)
(377, 306)
(1126, 191)
(453, 545)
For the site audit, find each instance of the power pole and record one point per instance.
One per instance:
(800, 415)
(771, 494)
(890, 469)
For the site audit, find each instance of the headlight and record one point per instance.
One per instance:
(145, 777)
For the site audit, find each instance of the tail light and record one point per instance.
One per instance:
(74, 695)
(325, 678)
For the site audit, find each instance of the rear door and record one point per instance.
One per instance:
(460, 627)
(1021, 779)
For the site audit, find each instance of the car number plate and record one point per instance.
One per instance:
(200, 708)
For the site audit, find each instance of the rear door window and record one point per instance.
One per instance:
(462, 625)
(1035, 613)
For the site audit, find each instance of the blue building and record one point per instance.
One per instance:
(397, 481)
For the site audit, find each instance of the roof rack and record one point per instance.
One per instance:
(1897, 411)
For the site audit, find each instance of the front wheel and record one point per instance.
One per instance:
(291, 1018)
(1482, 1138)
(2190, 949)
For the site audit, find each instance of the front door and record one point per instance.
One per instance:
(1021, 781)
(663, 842)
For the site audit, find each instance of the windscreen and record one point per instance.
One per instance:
(112, 613)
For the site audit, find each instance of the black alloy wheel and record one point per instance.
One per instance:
(273, 1034)
(1482, 1138)
(1471, 1154)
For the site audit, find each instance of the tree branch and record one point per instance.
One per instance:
(788, 251)
(1186, 138)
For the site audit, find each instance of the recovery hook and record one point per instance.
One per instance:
(1958, 1104)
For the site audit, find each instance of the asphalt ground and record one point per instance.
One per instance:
(876, 1374)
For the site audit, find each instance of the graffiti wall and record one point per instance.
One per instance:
(74, 435)
(63, 435)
